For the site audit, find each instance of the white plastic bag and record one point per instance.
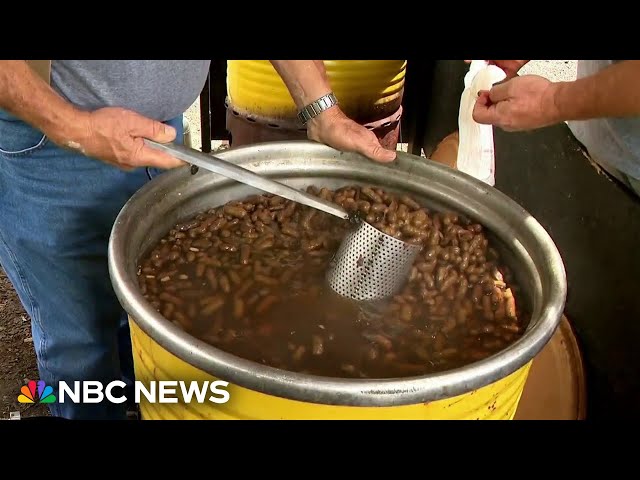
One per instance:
(475, 151)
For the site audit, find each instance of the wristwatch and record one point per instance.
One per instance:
(316, 108)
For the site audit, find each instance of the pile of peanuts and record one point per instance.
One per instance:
(238, 276)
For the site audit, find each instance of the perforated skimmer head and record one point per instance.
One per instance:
(371, 265)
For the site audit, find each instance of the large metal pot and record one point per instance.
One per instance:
(177, 194)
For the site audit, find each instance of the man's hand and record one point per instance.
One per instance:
(307, 81)
(332, 127)
(115, 136)
(522, 103)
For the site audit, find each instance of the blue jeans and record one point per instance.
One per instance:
(56, 213)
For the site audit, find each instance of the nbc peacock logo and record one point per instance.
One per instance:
(36, 392)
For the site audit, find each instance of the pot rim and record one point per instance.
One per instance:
(338, 391)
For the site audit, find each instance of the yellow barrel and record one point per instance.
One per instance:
(497, 401)
(367, 90)
(162, 351)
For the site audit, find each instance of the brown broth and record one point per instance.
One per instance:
(249, 278)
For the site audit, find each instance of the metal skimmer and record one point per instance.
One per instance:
(369, 264)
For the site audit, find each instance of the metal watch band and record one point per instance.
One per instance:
(316, 108)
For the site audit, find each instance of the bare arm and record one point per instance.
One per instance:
(531, 101)
(612, 92)
(307, 81)
(26, 96)
(113, 135)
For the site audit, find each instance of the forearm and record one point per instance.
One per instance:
(25, 95)
(612, 92)
(323, 70)
(306, 80)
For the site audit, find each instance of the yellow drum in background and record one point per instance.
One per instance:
(366, 89)
(260, 107)
(497, 401)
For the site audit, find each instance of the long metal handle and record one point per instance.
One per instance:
(242, 175)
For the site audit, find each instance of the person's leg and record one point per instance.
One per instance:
(56, 213)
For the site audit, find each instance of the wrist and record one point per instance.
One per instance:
(324, 118)
(317, 125)
(307, 97)
(317, 107)
(69, 127)
(553, 104)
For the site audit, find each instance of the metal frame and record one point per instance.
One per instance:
(212, 107)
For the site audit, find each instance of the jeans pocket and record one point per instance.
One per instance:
(19, 139)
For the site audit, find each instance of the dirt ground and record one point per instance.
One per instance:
(17, 356)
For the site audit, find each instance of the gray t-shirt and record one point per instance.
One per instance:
(159, 89)
(612, 142)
